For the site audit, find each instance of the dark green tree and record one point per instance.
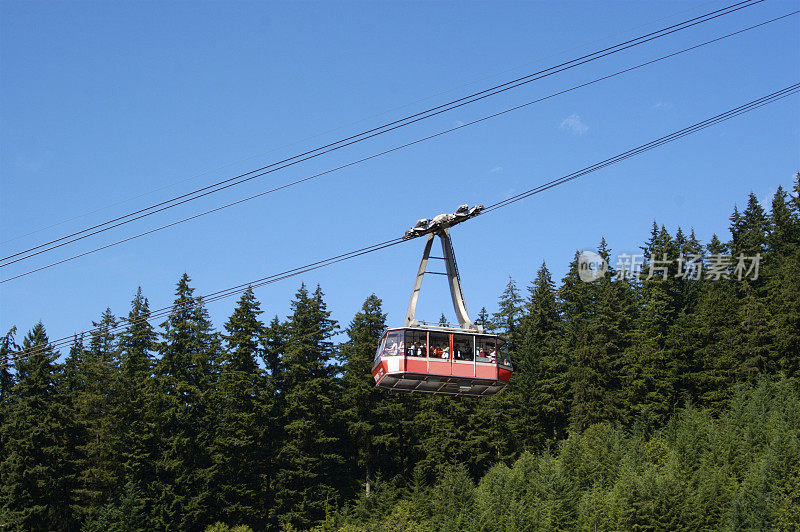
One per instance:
(37, 464)
(651, 366)
(483, 319)
(540, 364)
(135, 415)
(186, 379)
(273, 348)
(749, 230)
(309, 460)
(599, 316)
(7, 378)
(506, 320)
(363, 405)
(236, 450)
(95, 397)
(782, 298)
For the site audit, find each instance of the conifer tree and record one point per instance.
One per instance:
(135, 415)
(309, 459)
(483, 319)
(240, 396)
(186, 379)
(755, 345)
(540, 365)
(598, 332)
(73, 379)
(714, 345)
(749, 230)
(94, 399)
(274, 346)
(506, 320)
(782, 280)
(687, 289)
(363, 404)
(37, 464)
(715, 246)
(651, 367)
(7, 377)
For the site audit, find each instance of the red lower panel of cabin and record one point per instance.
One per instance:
(435, 376)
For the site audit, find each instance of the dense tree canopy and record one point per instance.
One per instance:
(662, 395)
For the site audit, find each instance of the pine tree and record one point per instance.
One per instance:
(598, 316)
(540, 365)
(714, 345)
(363, 404)
(36, 467)
(506, 320)
(309, 460)
(240, 396)
(274, 346)
(716, 246)
(781, 265)
(186, 379)
(784, 229)
(749, 230)
(651, 366)
(714, 322)
(94, 399)
(73, 380)
(7, 377)
(483, 319)
(135, 415)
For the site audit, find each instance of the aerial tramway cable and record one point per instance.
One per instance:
(364, 135)
(345, 125)
(379, 154)
(221, 294)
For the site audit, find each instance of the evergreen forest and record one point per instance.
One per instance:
(661, 402)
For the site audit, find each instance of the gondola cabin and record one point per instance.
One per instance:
(445, 360)
(441, 360)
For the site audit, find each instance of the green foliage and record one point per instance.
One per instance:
(37, 464)
(242, 404)
(219, 526)
(185, 380)
(222, 527)
(698, 472)
(657, 402)
(306, 482)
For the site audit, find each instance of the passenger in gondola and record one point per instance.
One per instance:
(423, 350)
(493, 356)
(413, 350)
(446, 352)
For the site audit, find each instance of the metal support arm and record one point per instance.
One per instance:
(453, 278)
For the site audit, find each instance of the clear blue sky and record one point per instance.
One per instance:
(101, 101)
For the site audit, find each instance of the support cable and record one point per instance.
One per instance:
(367, 134)
(376, 155)
(228, 292)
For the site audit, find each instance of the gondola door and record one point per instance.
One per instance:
(439, 350)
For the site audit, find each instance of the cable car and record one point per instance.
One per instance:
(440, 358)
